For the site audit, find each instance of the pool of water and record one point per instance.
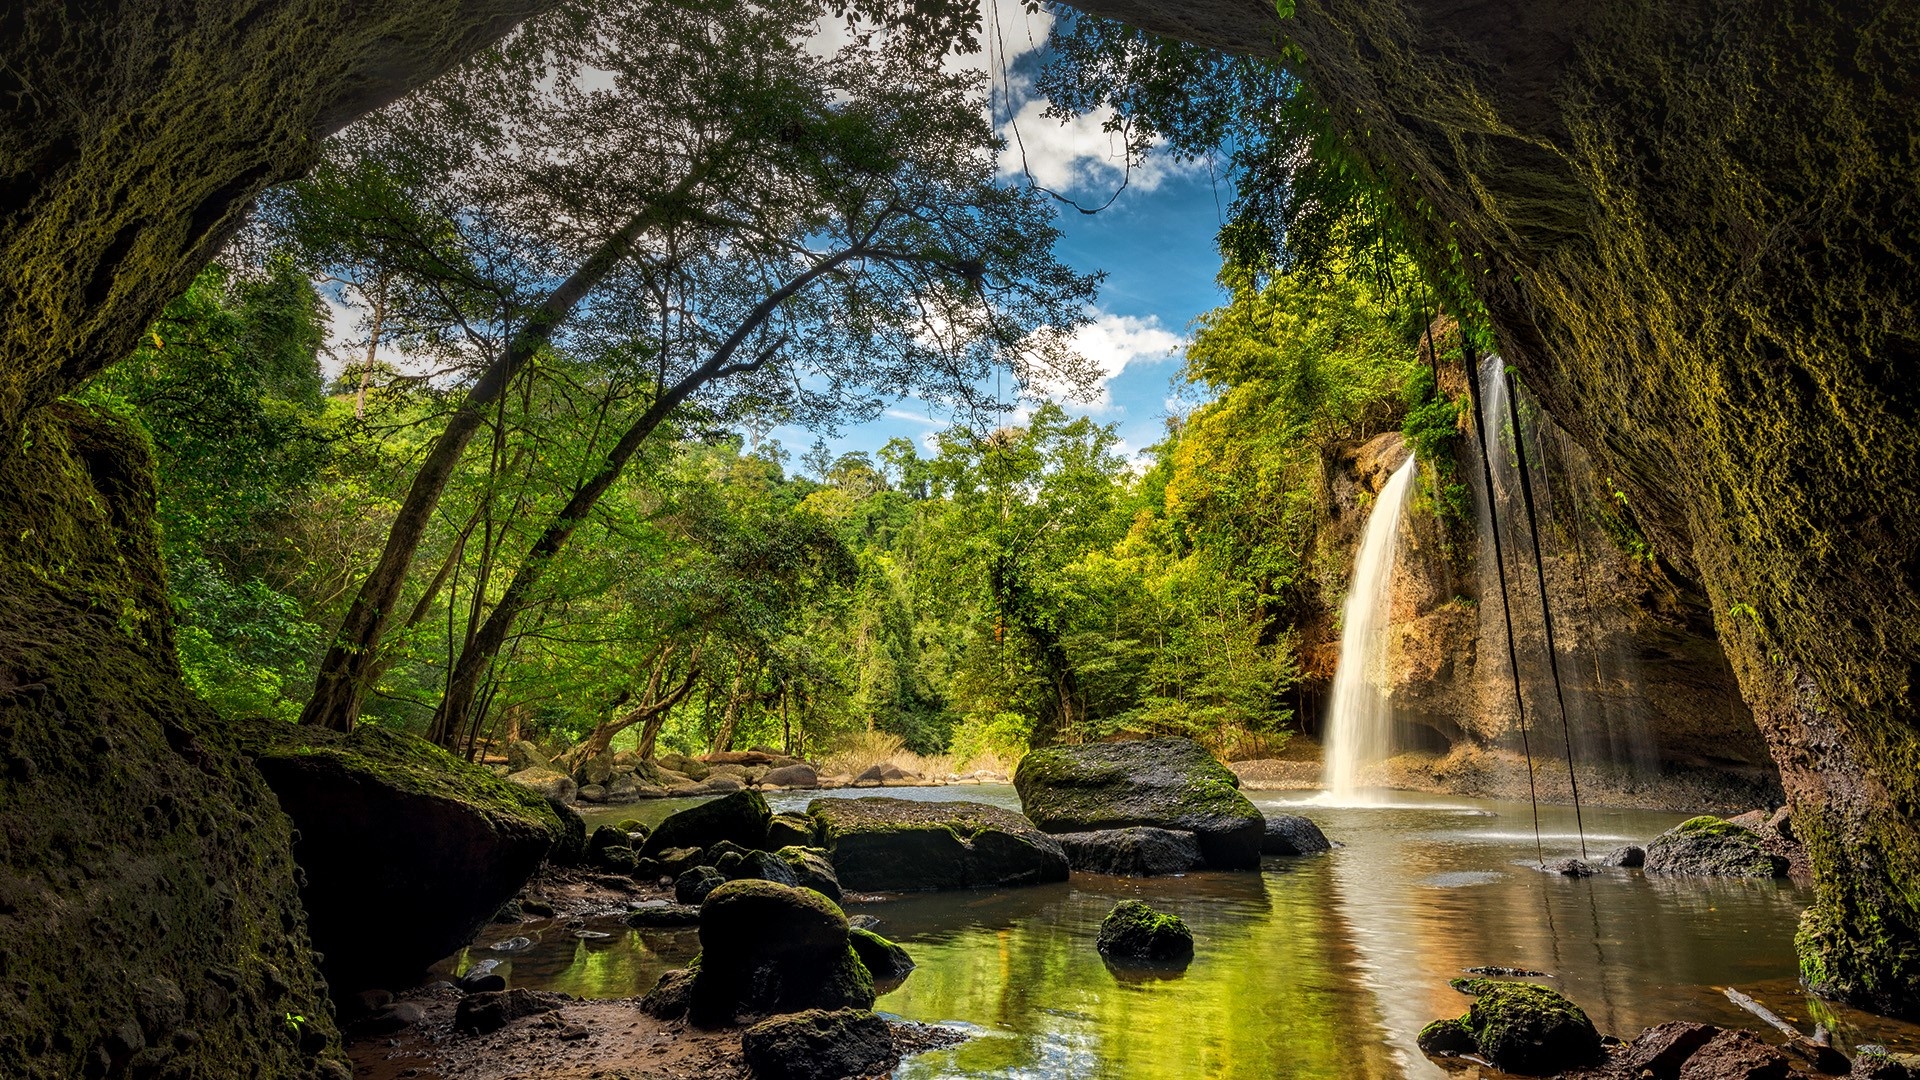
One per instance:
(1325, 966)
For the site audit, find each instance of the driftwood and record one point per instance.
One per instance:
(1817, 1049)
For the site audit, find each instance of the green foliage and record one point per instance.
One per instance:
(1432, 428)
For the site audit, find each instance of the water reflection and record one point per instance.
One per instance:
(1318, 967)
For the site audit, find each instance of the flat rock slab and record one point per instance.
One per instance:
(1172, 784)
(1140, 851)
(903, 845)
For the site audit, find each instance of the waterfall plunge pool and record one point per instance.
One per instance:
(1324, 966)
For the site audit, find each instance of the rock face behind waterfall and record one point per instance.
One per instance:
(1172, 784)
(407, 851)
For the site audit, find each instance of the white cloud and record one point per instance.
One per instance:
(1112, 344)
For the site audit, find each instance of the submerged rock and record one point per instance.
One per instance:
(901, 845)
(1134, 931)
(1519, 1027)
(770, 948)
(1140, 851)
(1709, 846)
(820, 1045)
(391, 824)
(1172, 784)
(740, 817)
(1291, 834)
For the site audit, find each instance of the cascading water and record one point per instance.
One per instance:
(1360, 725)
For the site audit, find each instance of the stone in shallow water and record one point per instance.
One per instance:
(1139, 851)
(1631, 856)
(901, 845)
(1292, 834)
(1134, 931)
(820, 1045)
(740, 817)
(1709, 846)
(1170, 784)
(1526, 1029)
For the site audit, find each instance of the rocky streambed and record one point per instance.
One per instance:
(984, 934)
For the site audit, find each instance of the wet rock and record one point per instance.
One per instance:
(1527, 1029)
(792, 776)
(887, 961)
(1291, 834)
(517, 943)
(479, 1014)
(510, 912)
(623, 789)
(1568, 868)
(1507, 972)
(1736, 1055)
(608, 838)
(811, 869)
(770, 948)
(863, 922)
(392, 824)
(789, 830)
(675, 861)
(549, 782)
(661, 914)
(523, 755)
(1661, 1051)
(756, 865)
(720, 785)
(1630, 856)
(671, 996)
(1172, 784)
(820, 1045)
(1139, 851)
(1447, 1038)
(900, 845)
(481, 978)
(1710, 846)
(740, 818)
(592, 793)
(693, 886)
(1134, 931)
(392, 1019)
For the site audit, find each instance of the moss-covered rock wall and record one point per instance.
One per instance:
(1695, 227)
(149, 923)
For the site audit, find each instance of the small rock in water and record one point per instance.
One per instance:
(1568, 868)
(591, 935)
(1291, 834)
(1134, 931)
(1631, 856)
(512, 944)
(1508, 972)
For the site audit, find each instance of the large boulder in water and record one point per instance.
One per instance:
(1709, 846)
(904, 845)
(1134, 931)
(771, 948)
(407, 850)
(1140, 851)
(1172, 784)
(740, 817)
(1519, 1027)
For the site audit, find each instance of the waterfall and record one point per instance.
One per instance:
(1360, 728)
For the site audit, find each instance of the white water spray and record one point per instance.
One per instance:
(1360, 729)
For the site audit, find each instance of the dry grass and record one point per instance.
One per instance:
(855, 753)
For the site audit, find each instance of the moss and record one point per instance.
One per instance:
(1523, 1028)
(1133, 930)
(1447, 1037)
(147, 896)
(883, 958)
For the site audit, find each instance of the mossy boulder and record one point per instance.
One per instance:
(407, 850)
(740, 818)
(820, 1045)
(811, 869)
(771, 948)
(1172, 784)
(1134, 931)
(1519, 1027)
(1140, 851)
(1709, 846)
(790, 830)
(887, 961)
(903, 845)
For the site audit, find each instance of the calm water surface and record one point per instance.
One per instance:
(1325, 966)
